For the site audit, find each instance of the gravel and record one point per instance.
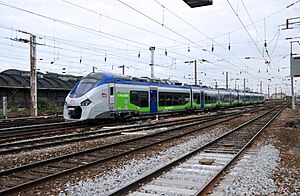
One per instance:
(118, 177)
(270, 168)
(252, 174)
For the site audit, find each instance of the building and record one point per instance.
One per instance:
(277, 96)
(51, 87)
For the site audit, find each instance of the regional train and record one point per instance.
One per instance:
(103, 95)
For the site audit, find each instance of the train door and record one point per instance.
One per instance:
(153, 100)
(111, 89)
(202, 99)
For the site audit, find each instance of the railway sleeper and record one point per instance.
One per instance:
(161, 190)
(176, 182)
(43, 171)
(85, 158)
(66, 166)
(187, 177)
(223, 151)
(8, 184)
(25, 176)
(73, 162)
(199, 166)
(218, 161)
(93, 155)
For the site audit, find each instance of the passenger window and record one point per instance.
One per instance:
(111, 91)
(139, 98)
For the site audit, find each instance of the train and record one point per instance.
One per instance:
(103, 95)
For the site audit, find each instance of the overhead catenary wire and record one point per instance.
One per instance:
(81, 27)
(261, 53)
(189, 40)
(242, 23)
(169, 51)
(66, 23)
(265, 36)
(210, 38)
(86, 29)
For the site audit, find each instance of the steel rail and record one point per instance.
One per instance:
(144, 142)
(209, 185)
(66, 139)
(129, 187)
(14, 122)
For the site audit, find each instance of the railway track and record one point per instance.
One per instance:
(198, 171)
(16, 122)
(27, 176)
(17, 133)
(34, 129)
(29, 132)
(13, 147)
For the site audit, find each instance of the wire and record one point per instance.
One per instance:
(278, 34)
(86, 29)
(157, 22)
(90, 48)
(245, 29)
(287, 7)
(111, 18)
(210, 38)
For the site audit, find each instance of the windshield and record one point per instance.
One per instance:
(84, 86)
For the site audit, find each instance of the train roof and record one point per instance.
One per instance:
(105, 77)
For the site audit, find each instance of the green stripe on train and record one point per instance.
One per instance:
(209, 105)
(224, 103)
(175, 107)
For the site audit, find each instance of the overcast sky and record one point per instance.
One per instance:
(76, 36)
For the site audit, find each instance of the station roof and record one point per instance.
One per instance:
(13, 78)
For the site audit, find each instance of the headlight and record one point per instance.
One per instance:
(86, 102)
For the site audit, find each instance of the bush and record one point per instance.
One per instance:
(43, 106)
(14, 110)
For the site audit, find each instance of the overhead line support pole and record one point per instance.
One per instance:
(195, 64)
(226, 80)
(152, 48)
(292, 78)
(33, 76)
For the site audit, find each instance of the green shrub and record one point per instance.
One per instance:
(14, 110)
(43, 106)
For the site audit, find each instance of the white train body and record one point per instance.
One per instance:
(103, 95)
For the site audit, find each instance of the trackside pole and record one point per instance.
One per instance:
(5, 107)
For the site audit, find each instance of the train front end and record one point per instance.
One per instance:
(88, 99)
